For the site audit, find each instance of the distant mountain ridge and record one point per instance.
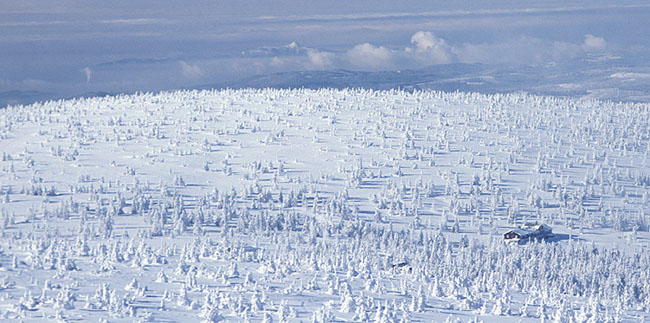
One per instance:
(581, 78)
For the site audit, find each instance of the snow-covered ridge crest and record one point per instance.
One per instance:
(350, 205)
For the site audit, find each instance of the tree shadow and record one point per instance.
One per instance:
(556, 237)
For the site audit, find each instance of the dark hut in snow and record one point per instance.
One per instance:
(528, 231)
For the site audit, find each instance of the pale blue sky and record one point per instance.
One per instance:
(68, 47)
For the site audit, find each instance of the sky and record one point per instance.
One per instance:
(58, 49)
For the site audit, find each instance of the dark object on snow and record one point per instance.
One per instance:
(401, 264)
(403, 267)
(528, 231)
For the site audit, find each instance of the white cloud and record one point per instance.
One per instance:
(369, 56)
(190, 71)
(521, 50)
(426, 49)
(320, 59)
(430, 48)
(136, 21)
(593, 43)
(630, 75)
(88, 72)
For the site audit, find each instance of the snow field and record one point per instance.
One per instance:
(323, 205)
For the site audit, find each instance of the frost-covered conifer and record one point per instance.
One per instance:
(348, 304)
(267, 318)
(256, 303)
(132, 286)
(233, 272)
(283, 311)
(322, 315)
(212, 315)
(183, 299)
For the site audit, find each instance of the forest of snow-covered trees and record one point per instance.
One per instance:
(324, 205)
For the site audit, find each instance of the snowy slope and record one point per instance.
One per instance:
(324, 205)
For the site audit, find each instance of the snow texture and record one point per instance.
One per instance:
(324, 205)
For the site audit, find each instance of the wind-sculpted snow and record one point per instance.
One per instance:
(323, 205)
